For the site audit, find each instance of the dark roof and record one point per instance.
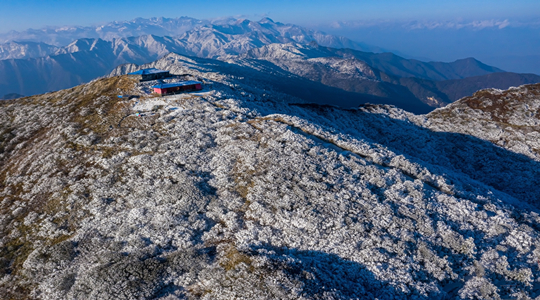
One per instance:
(182, 83)
(148, 71)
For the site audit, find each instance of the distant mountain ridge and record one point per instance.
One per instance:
(61, 36)
(388, 75)
(385, 62)
(16, 50)
(184, 28)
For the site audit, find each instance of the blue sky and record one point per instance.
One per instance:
(502, 33)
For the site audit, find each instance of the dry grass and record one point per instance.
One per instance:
(111, 108)
(99, 95)
(232, 258)
(501, 103)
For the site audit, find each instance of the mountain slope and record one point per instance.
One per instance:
(388, 63)
(33, 76)
(235, 192)
(507, 118)
(14, 50)
(80, 61)
(346, 70)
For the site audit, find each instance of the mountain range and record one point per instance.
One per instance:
(176, 27)
(249, 190)
(205, 38)
(388, 75)
(33, 67)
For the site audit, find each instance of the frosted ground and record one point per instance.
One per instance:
(245, 193)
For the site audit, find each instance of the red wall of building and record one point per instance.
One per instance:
(178, 88)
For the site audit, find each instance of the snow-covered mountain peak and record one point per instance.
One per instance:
(312, 61)
(82, 45)
(18, 50)
(179, 26)
(288, 51)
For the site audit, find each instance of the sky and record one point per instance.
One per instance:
(493, 30)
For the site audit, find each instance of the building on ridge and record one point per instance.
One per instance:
(150, 74)
(177, 87)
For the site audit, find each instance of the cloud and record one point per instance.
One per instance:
(431, 24)
(489, 24)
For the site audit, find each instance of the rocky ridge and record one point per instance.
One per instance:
(239, 191)
(508, 118)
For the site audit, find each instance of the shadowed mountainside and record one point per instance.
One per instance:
(388, 75)
(457, 89)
